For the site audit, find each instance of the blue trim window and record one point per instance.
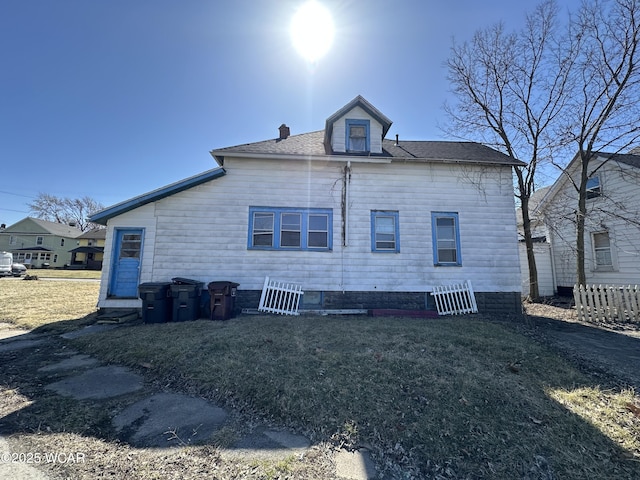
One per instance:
(274, 228)
(357, 136)
(446, 239)
(385, 231)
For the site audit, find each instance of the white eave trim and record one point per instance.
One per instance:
(317, 158)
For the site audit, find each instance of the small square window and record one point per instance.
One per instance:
(357, 134)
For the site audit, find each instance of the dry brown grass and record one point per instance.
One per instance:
(32, 304)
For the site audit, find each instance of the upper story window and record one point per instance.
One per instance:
(273, 228)
(62, 242)
(446, 239)
(594, 189)
(12, 240)
(357, 136)
(39, 241)
(384, 231)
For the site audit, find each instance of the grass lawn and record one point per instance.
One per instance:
(444, 398)
(48, 304)
(461, 397)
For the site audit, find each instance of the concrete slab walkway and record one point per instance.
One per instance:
(155, 418)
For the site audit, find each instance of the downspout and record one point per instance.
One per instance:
(346, 180)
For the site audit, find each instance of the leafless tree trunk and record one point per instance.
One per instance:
(603, 113)
(510, 89)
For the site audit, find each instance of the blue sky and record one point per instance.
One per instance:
(115, 98)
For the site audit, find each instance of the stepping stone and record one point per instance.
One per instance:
(169, 419)
(98, 383)
(356, 465)
(76, 361)
(271, 444)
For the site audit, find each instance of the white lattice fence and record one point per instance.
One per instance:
(279, 297)
(607, 303)
(456, 299)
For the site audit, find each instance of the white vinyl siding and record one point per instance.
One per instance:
(202, 233)
(618, 203)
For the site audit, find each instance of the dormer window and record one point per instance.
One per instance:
(357, 136)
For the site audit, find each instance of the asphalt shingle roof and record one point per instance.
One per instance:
(312, 144)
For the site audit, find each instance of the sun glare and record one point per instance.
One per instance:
(312, 30)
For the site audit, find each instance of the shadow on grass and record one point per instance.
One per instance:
(64, 326)
(598, 350)
(455, 398)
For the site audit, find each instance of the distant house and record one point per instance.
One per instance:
(39, 243)
(541, 249)
(612, 223)
(90, 250)
(359, 220)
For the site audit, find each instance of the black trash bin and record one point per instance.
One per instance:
(223, 299)
(156, 302)
(186, 299)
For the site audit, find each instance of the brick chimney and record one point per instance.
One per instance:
(284, 131)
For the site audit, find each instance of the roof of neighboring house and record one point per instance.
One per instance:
(87, 250)
(534, 201)
(312, 145)
(32, 249)
(625, 158)
(94, 234)
(52, 228)
(102, 216)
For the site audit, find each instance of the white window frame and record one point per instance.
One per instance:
(596, 250)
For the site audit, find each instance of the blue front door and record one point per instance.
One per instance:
(125, 272)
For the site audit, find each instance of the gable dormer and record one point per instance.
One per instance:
(357, 128)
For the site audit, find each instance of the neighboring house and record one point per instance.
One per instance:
(39, 243)
(541, 249)
(358, 220)
(612, 223)
(90, 250)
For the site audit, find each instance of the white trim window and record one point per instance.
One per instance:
(594, 188)
(603, 258)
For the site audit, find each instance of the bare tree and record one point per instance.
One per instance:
(68, 211)
(603, 111)
(510, 89)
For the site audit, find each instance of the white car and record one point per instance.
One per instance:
(18, 269)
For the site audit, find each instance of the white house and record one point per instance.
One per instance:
(358, 220)
(612, 223)
(541, 249)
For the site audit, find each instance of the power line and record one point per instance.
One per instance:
(17, 194)
(12, 210)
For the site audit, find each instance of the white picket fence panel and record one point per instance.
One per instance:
(456, 299)
(279, 297)
(607, 303)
